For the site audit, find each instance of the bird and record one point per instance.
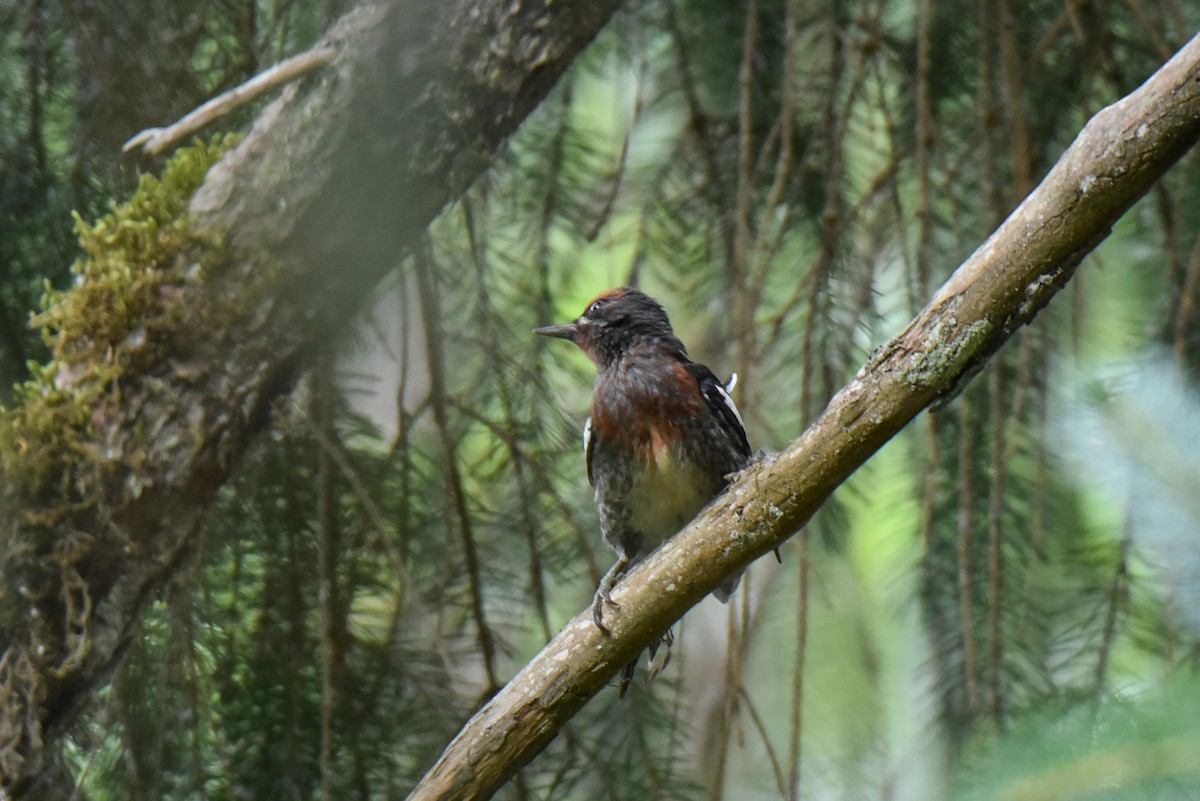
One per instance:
(663, 439)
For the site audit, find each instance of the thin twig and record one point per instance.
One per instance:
(328, 555)
(618, 175)
(154, 141)
(1151, 28)
(761, 728)
(997, 393)
(1186, 309)
(760, 254)
(925, 141)
(431, 315)
(795, 743)
(490, 338)
(1064, 22)
(333, 447)
(1116, 595)
(929, 483)
(966, 526)
(739, 265)
(731, 683)
(1020, 150)
(1037, 512)
(830, 221)
(714, 179)
(543, 478)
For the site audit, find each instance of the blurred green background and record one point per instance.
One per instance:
(1003, 604)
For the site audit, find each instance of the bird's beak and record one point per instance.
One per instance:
(565, 331)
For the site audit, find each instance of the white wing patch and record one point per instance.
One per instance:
(724, 391)
(587, 448)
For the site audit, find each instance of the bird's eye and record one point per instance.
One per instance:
(597, 305)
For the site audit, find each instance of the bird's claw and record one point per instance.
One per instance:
(601, 598)
(604, 591)
(656, 665)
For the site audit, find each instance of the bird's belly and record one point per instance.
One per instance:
(665, 497)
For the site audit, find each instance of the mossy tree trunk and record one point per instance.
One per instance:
(190, 319)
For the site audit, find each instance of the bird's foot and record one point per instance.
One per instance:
(658, 665)
(604, 591)
(659, 656)
(627, 674)
(601, 598)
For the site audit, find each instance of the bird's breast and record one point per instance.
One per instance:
(666, 494)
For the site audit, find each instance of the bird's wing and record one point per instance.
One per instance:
(589, 446)
(719, 400)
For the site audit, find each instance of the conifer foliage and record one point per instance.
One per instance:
(1001, 604)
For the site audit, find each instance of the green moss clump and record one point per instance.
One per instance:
(129, 257)
(104, 324)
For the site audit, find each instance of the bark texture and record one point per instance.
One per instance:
(286, 236)
(1002, 286)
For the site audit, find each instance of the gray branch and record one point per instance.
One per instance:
(1121, 152)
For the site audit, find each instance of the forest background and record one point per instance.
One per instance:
(1003, 603)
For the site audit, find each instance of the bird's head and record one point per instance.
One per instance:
(616, 321)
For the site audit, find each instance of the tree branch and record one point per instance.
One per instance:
(155, 141)
(1002, 286)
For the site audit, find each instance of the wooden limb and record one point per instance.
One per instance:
(1002, 286)
(155, 141)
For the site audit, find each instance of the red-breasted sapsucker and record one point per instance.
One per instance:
(663, 437)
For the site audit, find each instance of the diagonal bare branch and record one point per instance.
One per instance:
(1121, 152)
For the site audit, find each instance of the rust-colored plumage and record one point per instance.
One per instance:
(663, 437)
